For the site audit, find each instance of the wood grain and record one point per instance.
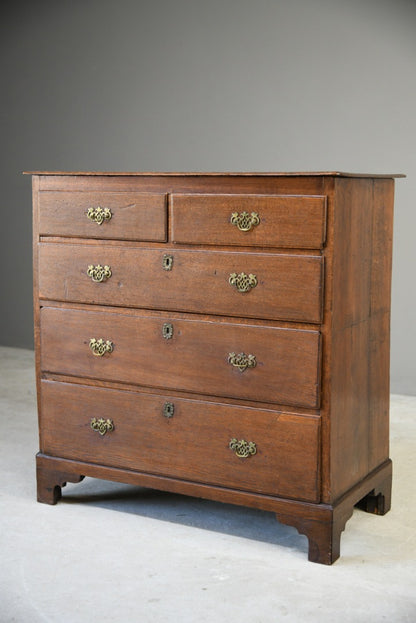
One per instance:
(321, 523)
(308, 185)
(192, 444)
(317, 402)
(195, 359)
(289, 287)
(217, 174)
(135, 216)
(358, 389)
(285, 221)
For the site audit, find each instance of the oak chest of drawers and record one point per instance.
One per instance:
(224, 336)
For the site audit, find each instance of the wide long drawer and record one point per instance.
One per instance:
(294, 221)
(192, 443)
(258, 285)
(123, 216)
(244, 361)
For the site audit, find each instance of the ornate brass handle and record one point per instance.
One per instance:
(99, 273)
(101, 425)
(245, 221)
(243, 448)
(243, 282)
(99, 215)
(100, 348)
(242, 361)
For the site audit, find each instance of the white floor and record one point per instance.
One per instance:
(109, 552)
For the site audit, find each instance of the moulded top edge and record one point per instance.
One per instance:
(220, 173)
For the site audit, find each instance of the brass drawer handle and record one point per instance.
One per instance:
(245, 221)
(99, 273)
(242, 361)
(101, 425)
(243, 448)
(100, 348)
(99, 215)
(243, 282)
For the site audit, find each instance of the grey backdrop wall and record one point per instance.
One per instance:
(207, 85)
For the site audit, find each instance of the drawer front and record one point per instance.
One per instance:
(286, 287)
(193, 443)
(293, 221)
(122, 216)
(182, 353)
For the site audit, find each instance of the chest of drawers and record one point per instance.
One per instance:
(224, 336)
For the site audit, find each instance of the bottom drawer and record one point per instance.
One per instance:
(187, 439)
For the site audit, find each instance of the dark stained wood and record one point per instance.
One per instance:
(358, 390)
(192, 444)
(324, 537)
(213, 174)
(135, 216)
(326, 340)
(36, 307)
(378, 500)
(183, 184)
(289, 287)
(379, 333)
(321, 523)
(316, 404)
(194, 359)
(50, 483)
(285, 221)
(256, 404)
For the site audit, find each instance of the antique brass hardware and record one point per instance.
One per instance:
(245, 221)
(99, 273)
(102, 426)
(167, 262)
(242, 361)
(243, 282)
(168, 409)
(167, 330)
(100, 348)
(242, 448)
(99, 215)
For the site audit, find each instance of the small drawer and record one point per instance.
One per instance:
(272, 453)
(256, 285)
(253, 362)
(290, 221)
(104, 215)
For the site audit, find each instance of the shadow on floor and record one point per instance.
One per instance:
(228, 519)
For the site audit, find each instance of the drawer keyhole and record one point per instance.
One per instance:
(168, 409)
(167, 330)
(167, 262)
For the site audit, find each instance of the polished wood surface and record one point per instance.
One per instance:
(195, 358)
(189, 445)
(294, 222)
(317, 322)
(213, 174)
(135, 216)
(289, 287)
(359, 364)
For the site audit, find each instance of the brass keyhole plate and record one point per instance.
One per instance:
(167, 330)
